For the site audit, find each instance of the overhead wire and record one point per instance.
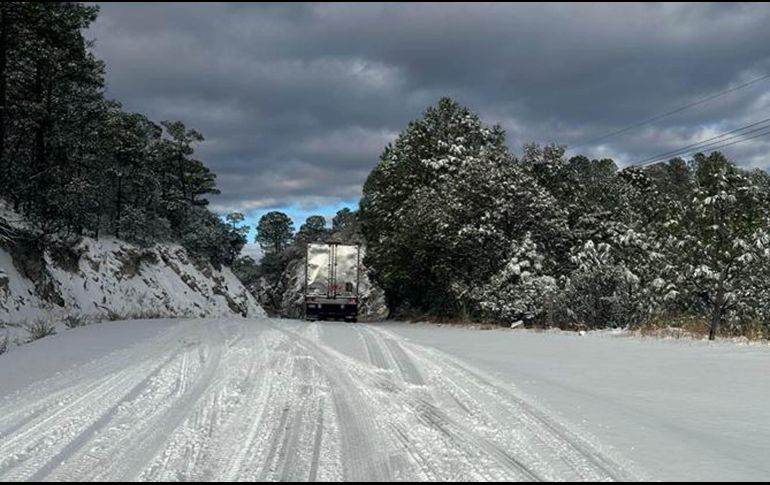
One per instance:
(673, 111)
(712, 143)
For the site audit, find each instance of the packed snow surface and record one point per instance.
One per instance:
(262, 399)
(680, 409)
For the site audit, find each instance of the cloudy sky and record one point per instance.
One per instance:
(298, 101)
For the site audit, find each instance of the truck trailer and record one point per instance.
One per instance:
(332, 276)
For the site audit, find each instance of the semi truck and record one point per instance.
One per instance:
(332, 277)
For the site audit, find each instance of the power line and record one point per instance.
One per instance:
(764, 132)
(704, 144)
(741, 141)
(672, 112)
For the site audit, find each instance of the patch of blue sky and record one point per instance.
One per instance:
(298, 213)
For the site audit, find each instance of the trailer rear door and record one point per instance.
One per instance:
(346, 271)
(332, 270)
(318, 276)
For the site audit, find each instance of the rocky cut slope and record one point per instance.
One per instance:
(108, 279)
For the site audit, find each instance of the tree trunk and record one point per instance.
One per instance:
(181, 174)
(39, 155)
(118, 206)
(716, 313)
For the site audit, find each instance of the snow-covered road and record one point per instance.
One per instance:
(273, 400)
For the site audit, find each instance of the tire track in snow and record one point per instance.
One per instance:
(408, 446)
(419, 443)
(259, 411)
(579, 449)
(86, 430)
(471, 441)
(89, 432)
(386, 353)
(267, 400)
(239, 435)
(317, 441)
(501, 410)
(223, 414)
(34, 446)
(373, 349)
(363, 460)
(75, 399)
(435, 426)
(580, 459)
(289, 447)
(25, 405)
(189, 391)
(296, 452)
(405, 363)
(16, 419)
(106, 452)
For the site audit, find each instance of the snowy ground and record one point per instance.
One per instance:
(234, 399)
(680, 409)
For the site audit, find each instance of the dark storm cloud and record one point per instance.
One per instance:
(297, 101)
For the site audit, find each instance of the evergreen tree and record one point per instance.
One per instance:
(235, 223)
(722, 239)
(188, 179)
(343, 219)
(274, 231)
(600, 292)
(312, 230)
(522, 289)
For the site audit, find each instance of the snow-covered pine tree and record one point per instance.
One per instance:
(522, 289)
(722, 241)
(441, 207)
(600, 292)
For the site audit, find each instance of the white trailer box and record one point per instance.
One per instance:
(332, 275)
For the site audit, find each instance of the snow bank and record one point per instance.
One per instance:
(110, 279)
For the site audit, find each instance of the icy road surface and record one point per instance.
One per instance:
(272, 400)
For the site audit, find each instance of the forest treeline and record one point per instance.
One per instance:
(459, 226)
